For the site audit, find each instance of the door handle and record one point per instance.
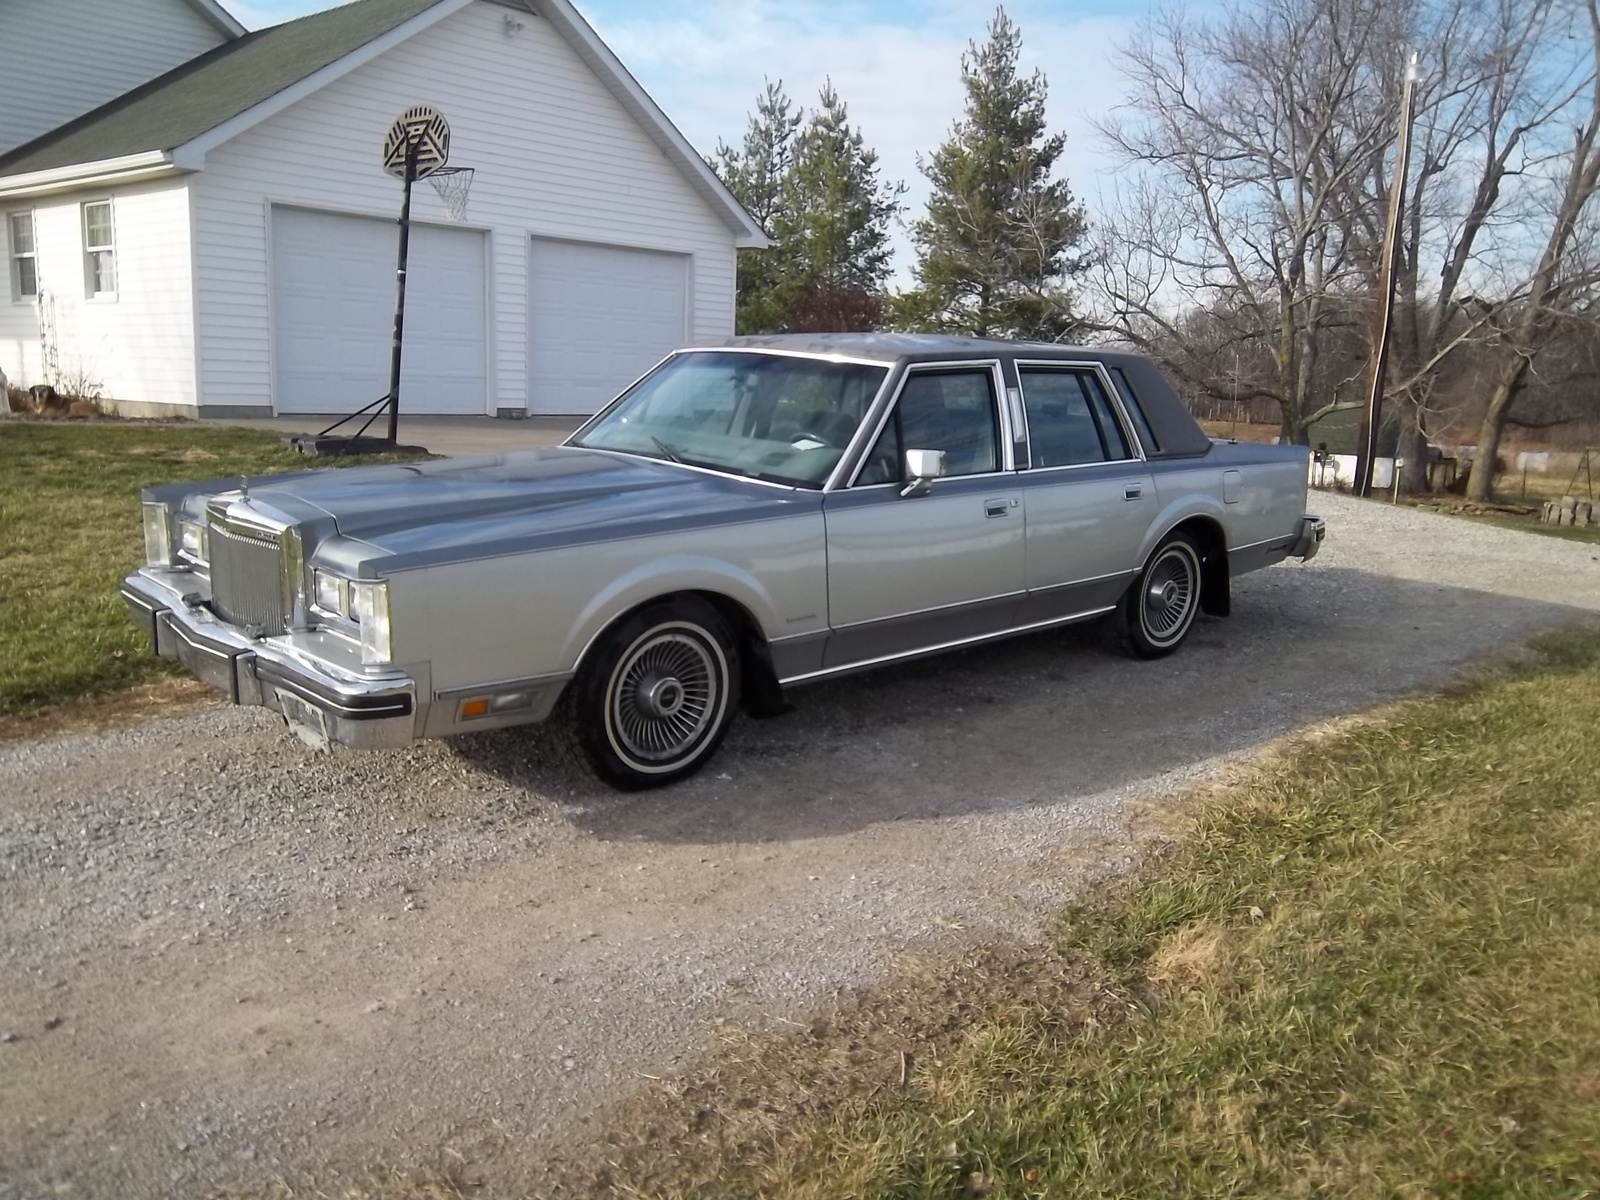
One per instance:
(996, 508)
(1132, 491)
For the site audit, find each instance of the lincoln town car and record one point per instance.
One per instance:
(750, 516)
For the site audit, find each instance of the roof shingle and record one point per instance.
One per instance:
(188, 100)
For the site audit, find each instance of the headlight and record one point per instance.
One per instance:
(369, 606)
(332, 594)
(194, 542)
(157, 536)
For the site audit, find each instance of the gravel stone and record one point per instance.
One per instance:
(334, 961)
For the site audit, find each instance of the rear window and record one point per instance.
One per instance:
(1135, 413)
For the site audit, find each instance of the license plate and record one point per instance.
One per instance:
(305, 721)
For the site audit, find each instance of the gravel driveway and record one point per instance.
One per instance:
(224, 958)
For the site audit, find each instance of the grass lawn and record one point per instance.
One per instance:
(70, 529)
(1371, 968)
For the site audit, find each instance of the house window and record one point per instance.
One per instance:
(99, 249)
(24, 258)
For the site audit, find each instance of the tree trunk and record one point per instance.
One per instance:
(1480, 483)
(1412, 446)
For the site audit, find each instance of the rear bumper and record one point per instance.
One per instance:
(1312, 531)
(320, 704)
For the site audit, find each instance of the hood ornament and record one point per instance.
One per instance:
(244, 487)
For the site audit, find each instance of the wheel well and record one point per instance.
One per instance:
(1215, 596)
(761, 694)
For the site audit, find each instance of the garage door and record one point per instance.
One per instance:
(599, 317)
(333, 315)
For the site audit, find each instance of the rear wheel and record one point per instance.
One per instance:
(654, 697)
(1159, 610)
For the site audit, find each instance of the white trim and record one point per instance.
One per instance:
(105, 171)
(605, 64)
(220, 17)
(191, 155)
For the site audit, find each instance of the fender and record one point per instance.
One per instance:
(663, 577)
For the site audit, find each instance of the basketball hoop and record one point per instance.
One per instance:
(421, 136)
(453, 184)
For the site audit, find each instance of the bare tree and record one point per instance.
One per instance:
(1247, 140)
(1561, 277)
(1260, 150)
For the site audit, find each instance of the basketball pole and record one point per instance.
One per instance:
(413, 146)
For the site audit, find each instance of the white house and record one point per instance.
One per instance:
(222, 238)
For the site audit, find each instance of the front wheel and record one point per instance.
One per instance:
(1159, 609)
(654, 697)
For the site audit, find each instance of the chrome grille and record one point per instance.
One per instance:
(246, 579)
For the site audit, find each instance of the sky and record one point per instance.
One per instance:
(896, 63)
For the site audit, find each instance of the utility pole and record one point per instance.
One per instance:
(1372, 414)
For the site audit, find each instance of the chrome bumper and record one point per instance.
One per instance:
(1312, 531)
(318, 704)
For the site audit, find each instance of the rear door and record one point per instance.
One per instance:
(1089, 496)
(908, 573)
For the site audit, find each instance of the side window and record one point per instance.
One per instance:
(953, 411)
(1070, 421)
(99, 250)
(1135, 413)
(24, 257)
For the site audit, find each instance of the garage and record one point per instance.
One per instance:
(333, 315)
(599, 317)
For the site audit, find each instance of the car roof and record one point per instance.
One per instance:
(892, 347)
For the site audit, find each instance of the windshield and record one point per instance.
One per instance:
(768, 416)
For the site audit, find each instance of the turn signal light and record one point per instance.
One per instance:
(478, 707)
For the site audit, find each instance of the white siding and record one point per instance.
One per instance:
(139, 346)
(555, 154)
(61, 58)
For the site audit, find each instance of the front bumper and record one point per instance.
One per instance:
(1312, 531)
(320, 704)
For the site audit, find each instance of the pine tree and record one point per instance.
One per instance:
(997, 247)
(756, 173)
(817, 193)
(832, 225)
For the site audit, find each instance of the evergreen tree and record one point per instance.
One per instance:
(756, 173)
(833, 225)
(997, 246)
(817, 193)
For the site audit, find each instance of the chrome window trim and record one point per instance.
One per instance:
(921, 651)
(877, 397)
(1007, 445)
(1115, 400)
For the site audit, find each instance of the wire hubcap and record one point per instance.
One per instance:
(1169, 594)
(665, 694)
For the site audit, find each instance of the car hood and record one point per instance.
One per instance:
(419, 514)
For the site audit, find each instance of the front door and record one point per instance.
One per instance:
(1090, 497)
(908, 573)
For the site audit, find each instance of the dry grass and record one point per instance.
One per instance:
(1371, 968)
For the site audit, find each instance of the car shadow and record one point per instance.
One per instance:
(1047, 717)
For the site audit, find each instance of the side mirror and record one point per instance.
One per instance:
(922, 468)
